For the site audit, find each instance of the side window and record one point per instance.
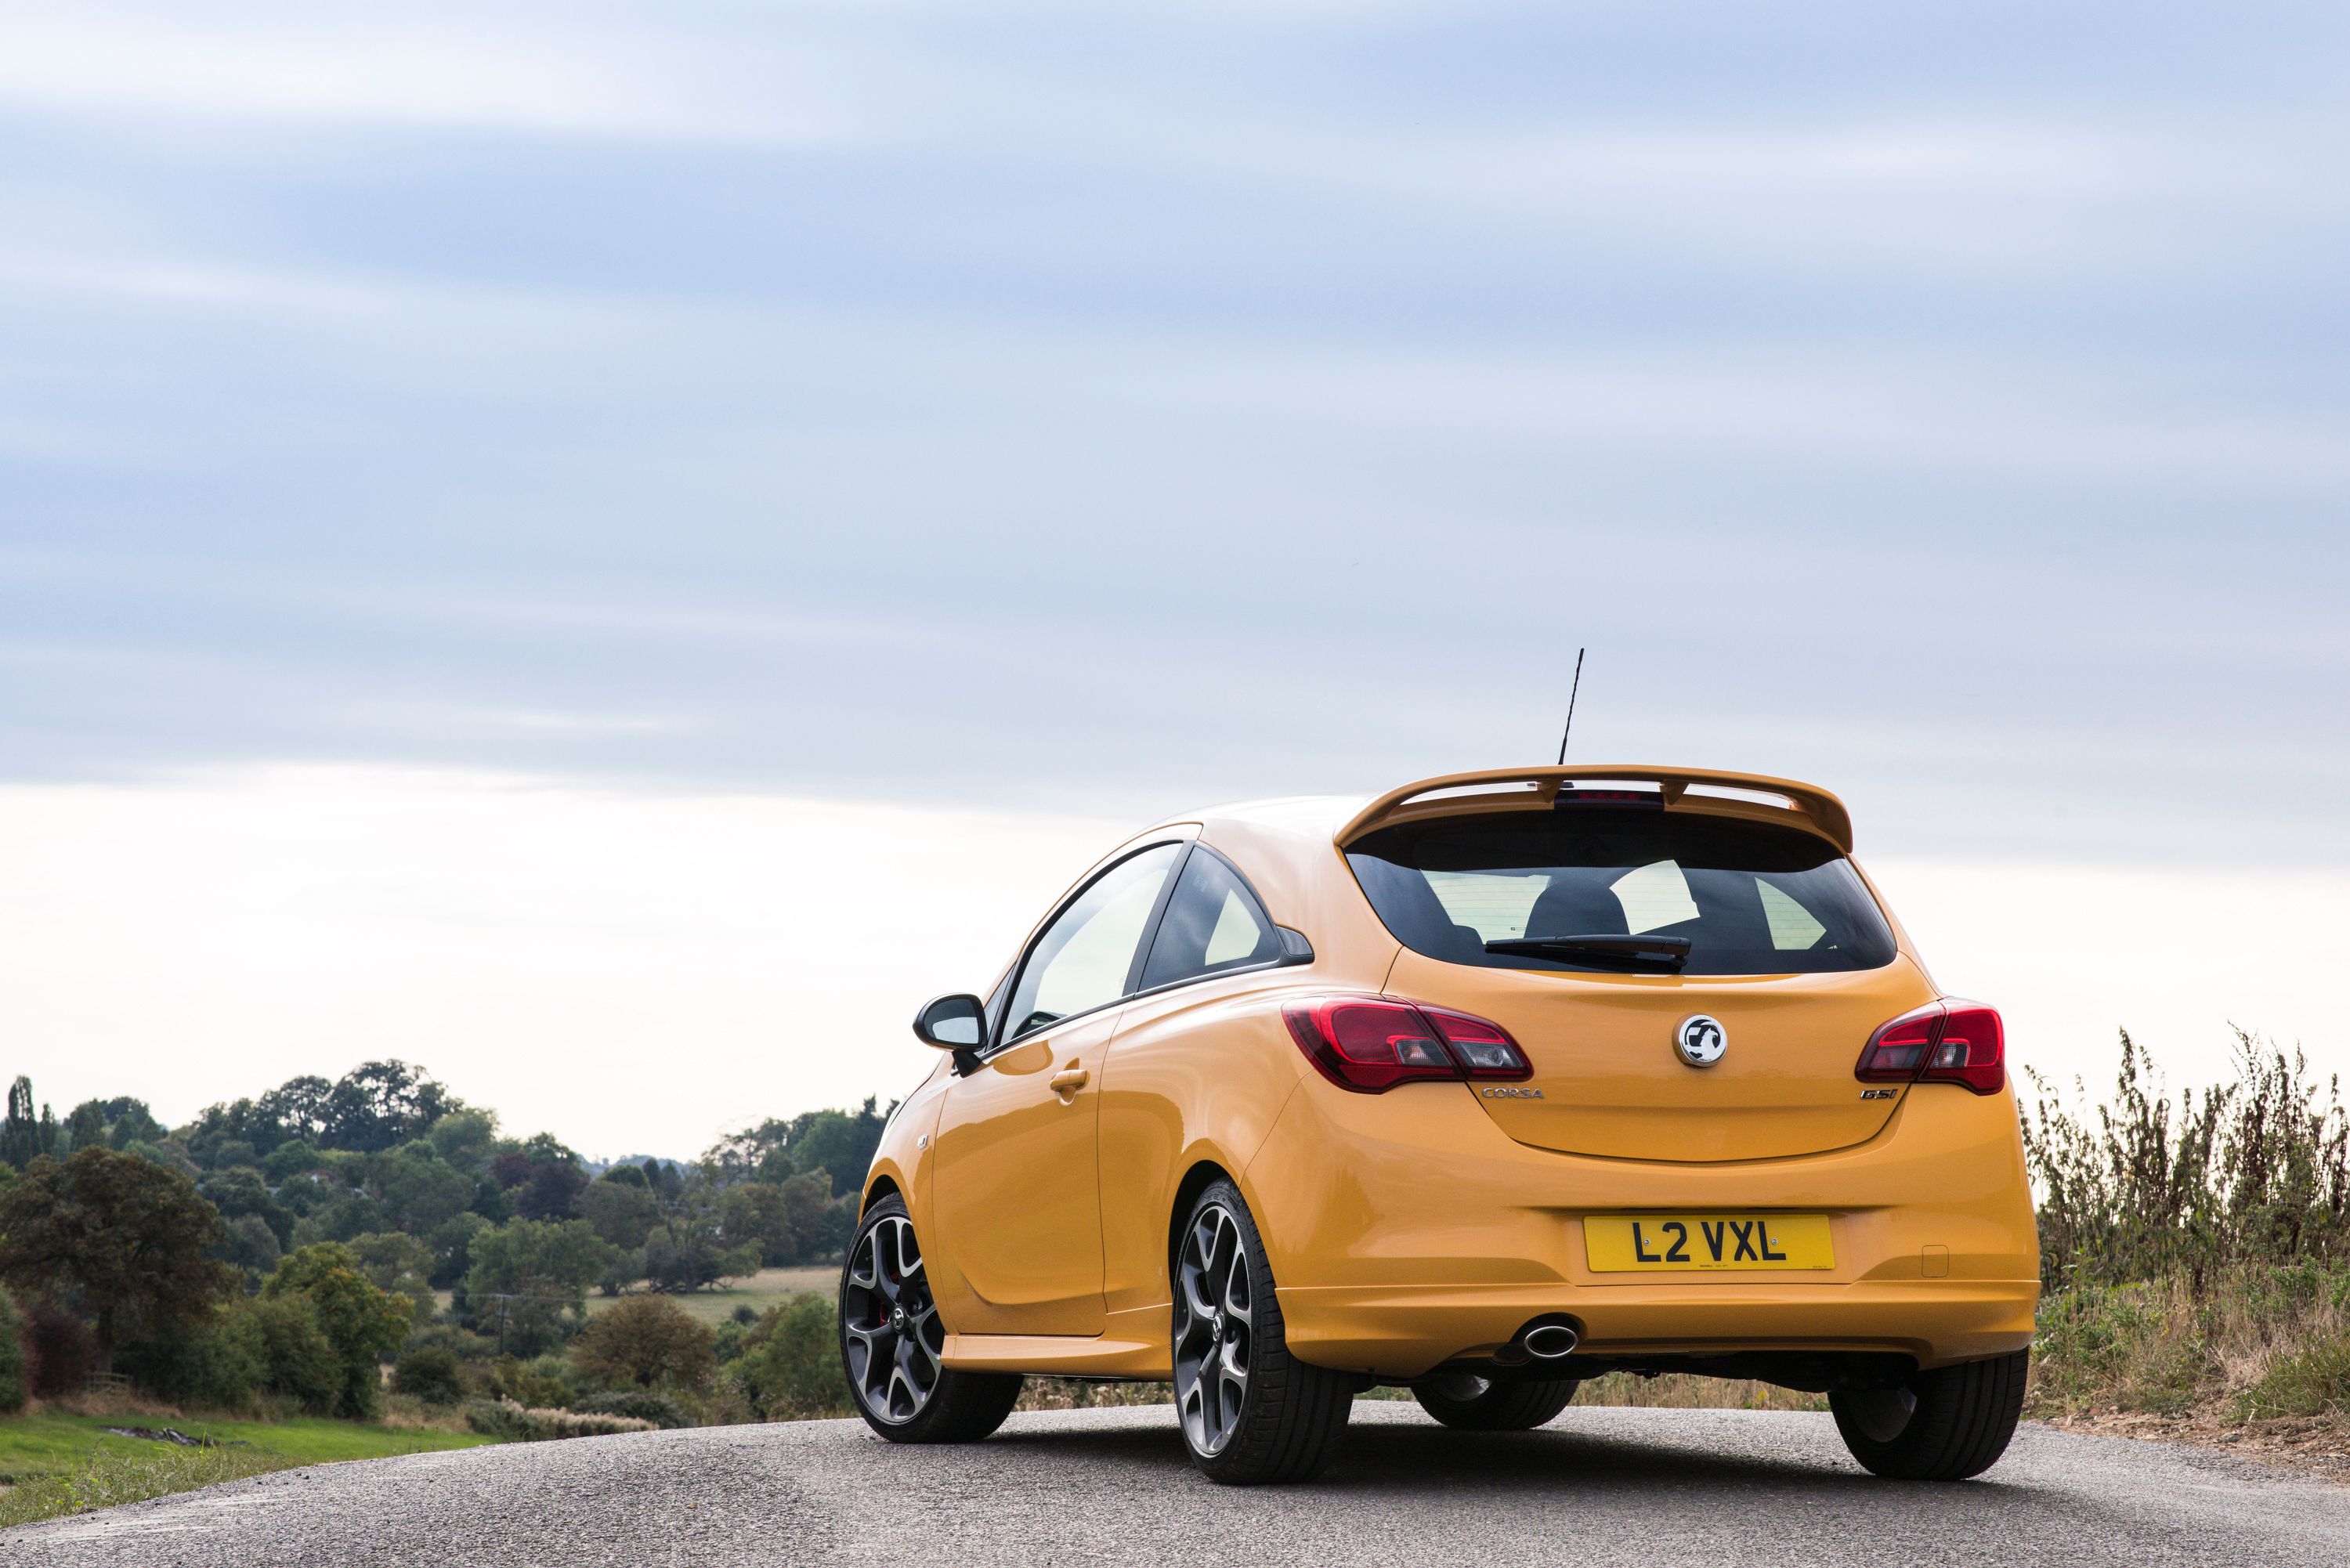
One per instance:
(1082, 959)
(1212, 923)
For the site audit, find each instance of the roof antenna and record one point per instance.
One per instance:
(1570, 707)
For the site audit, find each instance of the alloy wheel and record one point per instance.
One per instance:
(1216, 1330)
(895, 1338)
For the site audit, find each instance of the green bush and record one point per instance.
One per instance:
(644, 1342)
(790, 1366)
(544, 1380)
(301, 1361)
(221, 1365)
(637, 1404)
(429, 1372)
(522, 1424)
(15, 1376)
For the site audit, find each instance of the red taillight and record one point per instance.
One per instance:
(1945, 1042)
(1371, 1044)
(1972, 1050)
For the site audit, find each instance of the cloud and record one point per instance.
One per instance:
(564, 72)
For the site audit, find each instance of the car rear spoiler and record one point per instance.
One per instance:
(1755, 796)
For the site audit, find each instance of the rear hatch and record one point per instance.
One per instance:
(1612, 1079)
(1778, 940)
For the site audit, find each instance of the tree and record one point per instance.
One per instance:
(451, 1242)
(644, 1342)
(297, 1108)
(86, 1126)
(378, 1105)
(239, 1194)
(125, 1240)
(22, 1140)
(128, 1121)
(552, 1191)
(363, 1322)
(290, 1158)
(787, 1224)
(466, 1138)
(840, 1144)
(398, 1263)
(242, 1124)
(252, 1246)
(689, 1252)
(536, 1259)
(419, 1189)
(622, 1211)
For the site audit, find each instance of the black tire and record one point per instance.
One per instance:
(1477, 1404)
(886, 1312)
(1944, 1425)
(1273, 1418)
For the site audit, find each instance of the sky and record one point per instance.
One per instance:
(611, 550)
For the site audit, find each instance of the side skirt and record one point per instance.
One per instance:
(1133, 1345)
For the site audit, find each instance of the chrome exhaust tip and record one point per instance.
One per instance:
(1549, 1340)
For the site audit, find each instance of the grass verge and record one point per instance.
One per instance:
(57, 1463)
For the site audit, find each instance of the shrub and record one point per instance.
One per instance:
(63, 1350)
(522, 1424)
(16, 1372)
(429, 1372)
(644, 1342)
(301, 1362)
(2252, 1173)
(790, 1366)
(637, 1404)
(220, 1364)
(544, 1380)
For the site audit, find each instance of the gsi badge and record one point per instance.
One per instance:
(1700, 1040)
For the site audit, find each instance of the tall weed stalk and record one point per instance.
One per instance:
(2252, 1173)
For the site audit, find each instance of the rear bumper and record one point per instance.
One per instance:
(1400, 1332)
(1406, 1230)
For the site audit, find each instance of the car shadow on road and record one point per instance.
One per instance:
(1397, 1460)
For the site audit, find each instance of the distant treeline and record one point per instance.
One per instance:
(278, 1247)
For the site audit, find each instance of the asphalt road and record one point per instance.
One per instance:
(1598, 1486)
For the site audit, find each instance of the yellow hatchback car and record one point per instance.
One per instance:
(1495, 1083)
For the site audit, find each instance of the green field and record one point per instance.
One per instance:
(53, 1463)
(768, 1287)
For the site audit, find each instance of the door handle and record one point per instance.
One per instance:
(1068, 1080)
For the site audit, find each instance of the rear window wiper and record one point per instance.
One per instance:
(1601, 951)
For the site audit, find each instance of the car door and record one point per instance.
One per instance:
(1015, 1183)
(1188, 1064)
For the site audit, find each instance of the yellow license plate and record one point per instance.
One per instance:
(1633, 1243)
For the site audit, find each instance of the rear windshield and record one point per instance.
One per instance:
(1752, 898)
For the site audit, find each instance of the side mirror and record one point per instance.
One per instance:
(957, 1023)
